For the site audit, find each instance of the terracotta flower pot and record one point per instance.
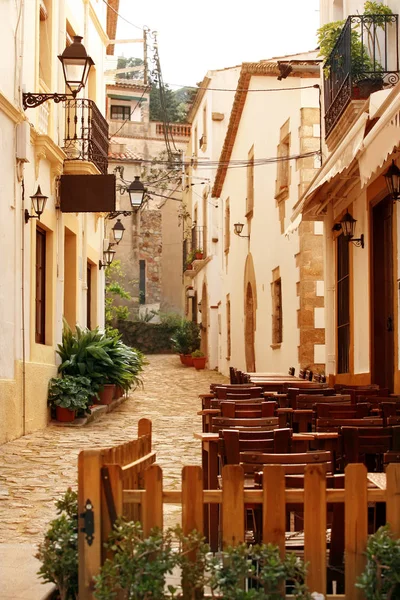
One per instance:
(199, 256)
(199, 362)
(182, 357)
(119, 392)
(188, 360)
(107, 393)
(64, 414)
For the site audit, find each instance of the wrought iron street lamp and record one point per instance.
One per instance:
(108, 257)
(76, 65)
(118, 231)
(238, 228)
(38, 203)
(135, 190)
(347, 225)
(392, 177)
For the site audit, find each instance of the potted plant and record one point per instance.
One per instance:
(199, 360)
(69, 394)
(380, 580)
(186, 340)
(198, 254)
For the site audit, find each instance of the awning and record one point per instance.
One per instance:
(294, 225)
(380, 142)
(337, 162)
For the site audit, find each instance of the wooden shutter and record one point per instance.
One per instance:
(40, 292)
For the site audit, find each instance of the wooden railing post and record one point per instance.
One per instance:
(232, 505)
(192, 500)
(393, 498)
(274, 507)
(315, 527)
(356, 527)
(111, 501)
(144, 428)
(153, 501)
(89, 551)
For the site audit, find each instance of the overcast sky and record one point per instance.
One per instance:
(194, 37)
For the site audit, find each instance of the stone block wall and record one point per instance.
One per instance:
(150, 338)
(150, 250)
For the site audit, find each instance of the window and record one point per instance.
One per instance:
(343, 304)
(40, 292)
(277, 322)
(120, 113)
(250, 183)
(283, 172)
(227, 236)
(142, 282)
(203, 139)
(45, 42)
(228, 326)
(89, 296)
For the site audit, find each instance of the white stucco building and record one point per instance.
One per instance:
(51, 266)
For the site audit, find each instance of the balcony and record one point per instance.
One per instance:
(152, 129)
(86, 133)
(365, 59)
(196, 241)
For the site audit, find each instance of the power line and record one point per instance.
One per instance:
(146, 89)
(282, 89)
(121, 17)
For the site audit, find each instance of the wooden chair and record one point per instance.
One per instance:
(294, 463)
(366, 444)
(326, 425)
(233, 442)
(309, 401)
(250, 392)
(342, 411)
(294, 392)
(393, 455)
(249, 410)
(218, 423)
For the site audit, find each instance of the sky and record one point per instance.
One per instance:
(194, 37)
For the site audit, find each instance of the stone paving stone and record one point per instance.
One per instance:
(35, 470)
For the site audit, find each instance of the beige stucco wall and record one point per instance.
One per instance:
(26, 369)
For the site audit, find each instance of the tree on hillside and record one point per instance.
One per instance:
(177, 102)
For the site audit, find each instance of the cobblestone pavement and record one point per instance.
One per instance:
(36, 469)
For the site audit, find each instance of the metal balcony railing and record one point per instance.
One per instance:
(365, 59)
(86, 133)
(196, 240)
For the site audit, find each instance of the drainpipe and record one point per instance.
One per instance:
(330, 288)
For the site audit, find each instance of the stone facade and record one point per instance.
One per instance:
(150, 250)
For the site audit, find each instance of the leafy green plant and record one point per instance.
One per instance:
(381, 578)
(198, 354)
(138, 567)
(186, 338)
(100, 357)
(114, 289)
(72, 392)
(58, 552)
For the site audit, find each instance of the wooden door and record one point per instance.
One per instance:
(382, 294)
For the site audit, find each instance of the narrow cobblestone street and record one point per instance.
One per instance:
(36, 469)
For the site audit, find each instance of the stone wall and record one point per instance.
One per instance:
(150, 338)
(150, 250)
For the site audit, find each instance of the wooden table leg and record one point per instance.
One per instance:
(204, 464)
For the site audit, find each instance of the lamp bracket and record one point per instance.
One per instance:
(118, 213)
(31, 100)
(359, 242)
(28, 216)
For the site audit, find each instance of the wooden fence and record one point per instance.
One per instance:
(315, 496)
(103, 475)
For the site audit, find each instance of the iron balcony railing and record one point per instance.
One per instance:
(365, 59)
(86, 133)
(196, 240)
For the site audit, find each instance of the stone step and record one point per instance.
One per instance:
(97, 410)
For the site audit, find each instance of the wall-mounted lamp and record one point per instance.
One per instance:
(238, 228)
(108, 257)
(347, 226)
(136, 191)
(76, 65)
(38, 204)
(118, 231)
(392, 177)
(190, 292)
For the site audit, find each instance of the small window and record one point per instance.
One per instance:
(142, 282)
(40, 291)
(120, 113)
(277, 311)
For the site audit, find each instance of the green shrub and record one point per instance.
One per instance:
(186, 338)
(58, 552)
(72, 392)
(381, 578)
(198, 354)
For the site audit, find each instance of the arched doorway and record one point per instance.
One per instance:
(204, 320)
(249, 328)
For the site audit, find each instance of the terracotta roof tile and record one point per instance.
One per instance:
(126, 155)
